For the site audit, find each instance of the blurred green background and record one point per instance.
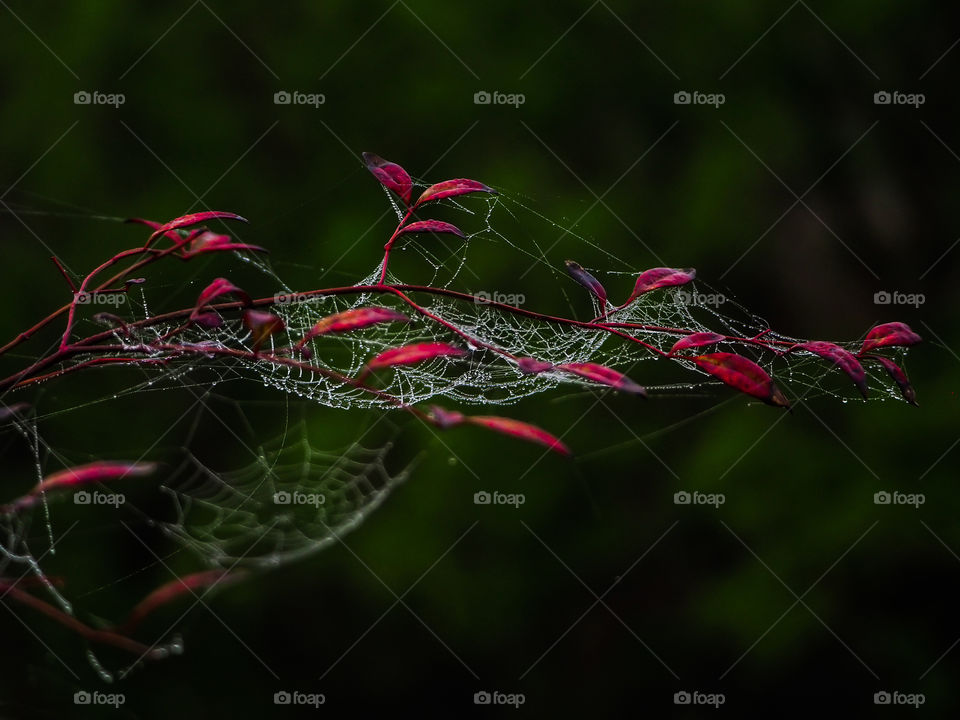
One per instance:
(799, 592)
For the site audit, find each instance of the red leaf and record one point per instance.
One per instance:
(390, 175)
(173, 590)
(262, 325)
(604, 376)
(521, 430)
(79, 475)
(193, 219)
(410, 354)
(696, 340)
(658, 278)
(445, 418)
(431, 226)
(352, 320)
(207, 241)
(452, 188)
(533, 366)
(587, 280)
(842, 359)
(218, 288)
(899, 377)
(888, 334)
(744, 375)
(171, 235)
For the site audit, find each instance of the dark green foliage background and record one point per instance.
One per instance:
(799, 488)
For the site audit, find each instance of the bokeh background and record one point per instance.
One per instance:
(799, 196)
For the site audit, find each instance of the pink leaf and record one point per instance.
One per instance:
(743, 374)
(899, 377)
(587, 280)
(452, 188)
(352, 320)
(391, 176)
(889, 334)
(430, 226)
(532, 366)
(192, 219)
(262, 325)
(76, 476)
(410, 354)
(604, 376)
(217, 289)
(658, 278)
(520, 430)
(171, 235)
(445, 418)
(174, 589)
(842, 359)
(207, 241)
(696, 340)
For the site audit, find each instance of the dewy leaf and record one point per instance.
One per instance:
(842, 359)
(262, 325)
(391, 176)
(521, 430)
(410, 354)
(532, 366)
(743, 374)
(217, 289)
(899, 377)
(696, 340)
(452, 188)
(431, 226)
(207, 241)
(587, 280)
(889, 334)
(658, 278)
(604, 375)
(193, 219)
(352, 320)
